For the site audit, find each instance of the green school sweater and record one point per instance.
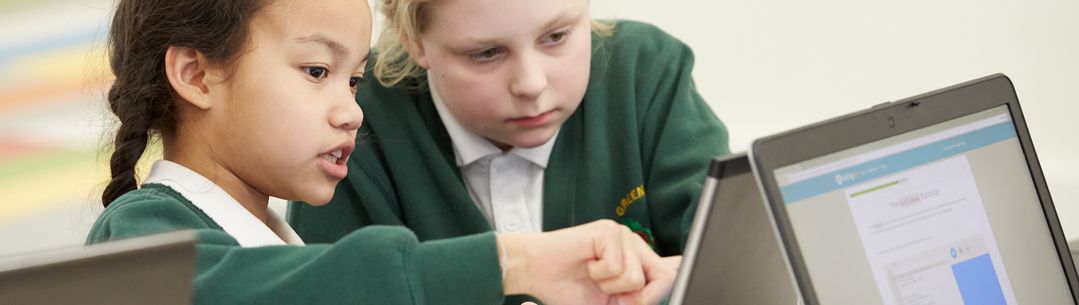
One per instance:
(376, 265)
(635, 151)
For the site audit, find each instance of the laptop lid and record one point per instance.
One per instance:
(733, 255)
(934, 199)
(157, 269)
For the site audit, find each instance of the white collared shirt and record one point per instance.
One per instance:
(222, 208)
(506, 186)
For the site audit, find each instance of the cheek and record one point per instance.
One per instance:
(295, 132)
(276, 121)
(259, 111)
(473, 97)
(571, 76)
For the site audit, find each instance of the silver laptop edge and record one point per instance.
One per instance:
(693, 242)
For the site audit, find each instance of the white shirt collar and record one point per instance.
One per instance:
(470, 147)
(222, 208)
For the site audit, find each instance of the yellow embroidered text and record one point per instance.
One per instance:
(633, 195)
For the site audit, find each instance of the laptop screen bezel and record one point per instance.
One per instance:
(884, 121)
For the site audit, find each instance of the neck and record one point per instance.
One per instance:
(203, 163)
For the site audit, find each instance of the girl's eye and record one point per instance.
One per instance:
(555, 37)
(355, 81)
(317, 72)
(488, 54)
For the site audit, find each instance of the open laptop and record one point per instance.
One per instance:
(157, 269)
(733, 255)
(934, 199)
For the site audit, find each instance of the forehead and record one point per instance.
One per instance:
(347, 22)
(492, 17)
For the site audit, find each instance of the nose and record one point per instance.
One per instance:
(530, 76)
(347, 115)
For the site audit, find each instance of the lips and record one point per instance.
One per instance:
(333, 161)
(533, 121)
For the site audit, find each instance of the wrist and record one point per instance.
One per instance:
(514, 258)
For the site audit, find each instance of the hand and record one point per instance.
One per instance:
(586, 264)
(660, 273)
(673, 262)
(554, 266)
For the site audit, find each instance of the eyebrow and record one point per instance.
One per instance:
(563, 17)
(338, 49)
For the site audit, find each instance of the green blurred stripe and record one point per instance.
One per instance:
(23, 167)
(11, 5)
(876, 188)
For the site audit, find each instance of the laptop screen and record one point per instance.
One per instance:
(946, 214)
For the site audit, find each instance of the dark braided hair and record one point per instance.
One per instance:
(141, 97)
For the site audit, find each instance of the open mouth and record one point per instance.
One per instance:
(336, 156)
(333, 162)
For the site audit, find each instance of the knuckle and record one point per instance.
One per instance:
(609, 224)
(609, 227)
(636, 280)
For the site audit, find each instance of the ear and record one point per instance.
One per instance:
(415, 50)
(186, 69)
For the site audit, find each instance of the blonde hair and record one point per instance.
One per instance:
(407, 19)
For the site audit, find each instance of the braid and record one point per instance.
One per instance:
(136, 119)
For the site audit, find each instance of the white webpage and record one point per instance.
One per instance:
(927, 237)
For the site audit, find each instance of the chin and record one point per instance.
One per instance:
(318, 199)
(531, 140)
(527, 143)
(317, 203)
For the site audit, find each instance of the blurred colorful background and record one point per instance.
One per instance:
(53, 75)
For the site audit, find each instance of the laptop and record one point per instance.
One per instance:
(733, 255)
(157, 269)
(933, 199)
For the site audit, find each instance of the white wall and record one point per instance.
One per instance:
(766, 66)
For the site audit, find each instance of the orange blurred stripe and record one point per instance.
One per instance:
(34, 94)
(13, 148)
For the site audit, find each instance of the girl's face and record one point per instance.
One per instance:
(285, 120)
(510, 71)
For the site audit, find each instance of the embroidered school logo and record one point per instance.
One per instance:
(629, 199)
(645, 233)
(640, 230)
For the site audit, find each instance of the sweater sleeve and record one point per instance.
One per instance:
(374, 265)
(680, 135)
